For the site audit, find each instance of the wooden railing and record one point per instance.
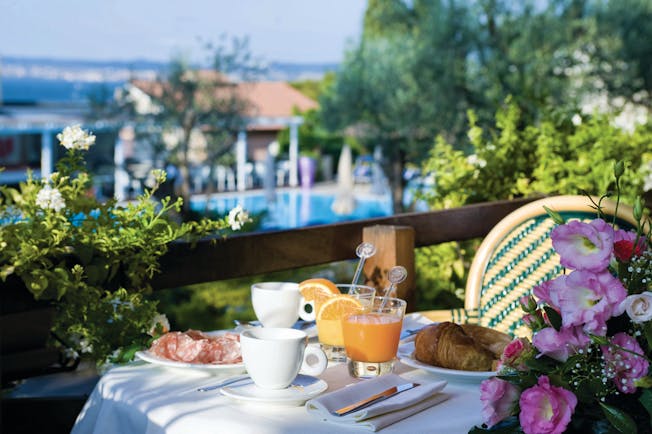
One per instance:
(256, 253)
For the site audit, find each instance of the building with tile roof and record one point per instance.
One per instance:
(271, 107)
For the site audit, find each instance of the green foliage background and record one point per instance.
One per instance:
(517, 159)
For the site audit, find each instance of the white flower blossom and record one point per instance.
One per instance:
(159, 319)
(576, 119)
(70, 353)
(637, 306)
(476, 161)
(85, 346)
(50, 198)
(237, 217)
(73, 137)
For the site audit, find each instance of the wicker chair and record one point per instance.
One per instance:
(516, 256)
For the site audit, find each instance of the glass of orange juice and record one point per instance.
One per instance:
(329, 312)
(371, 337)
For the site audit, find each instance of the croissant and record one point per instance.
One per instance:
(491, 339)
(447, 345)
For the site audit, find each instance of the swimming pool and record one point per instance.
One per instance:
(295, 208)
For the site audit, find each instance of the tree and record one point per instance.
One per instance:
(392, 91)
(421, 65)
(190, 103)
(623, 53)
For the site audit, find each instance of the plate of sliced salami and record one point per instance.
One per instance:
(217, 351)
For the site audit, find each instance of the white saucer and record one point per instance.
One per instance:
(303, 388)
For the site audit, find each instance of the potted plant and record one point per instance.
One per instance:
(92, 260)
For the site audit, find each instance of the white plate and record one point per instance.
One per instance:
(147, 356)
(406, 356)
(303, 388)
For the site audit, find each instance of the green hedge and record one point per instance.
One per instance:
(562, 154)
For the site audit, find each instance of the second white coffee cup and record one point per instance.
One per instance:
(274, 357)
(278, 304)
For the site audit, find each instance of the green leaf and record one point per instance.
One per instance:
(95, 274)
(554, 317)
(555, 216)
(85, 253)
(646, 401)
(588, 388)
(619, 419)
(647, 331)
(542, 364)
(129, 353)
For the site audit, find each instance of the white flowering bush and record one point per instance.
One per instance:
(93, 260)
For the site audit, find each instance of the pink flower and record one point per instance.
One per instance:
(584, 246)
(528, 303)
(515, 352)
(624, 367)
(561, 344)
(531, 320)
(542, 292)
(587, 299)
(499, 399)
(545, 408)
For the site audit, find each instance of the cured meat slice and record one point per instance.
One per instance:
(194, 346)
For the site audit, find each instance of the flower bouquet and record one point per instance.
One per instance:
(92, 260)
(587, 366)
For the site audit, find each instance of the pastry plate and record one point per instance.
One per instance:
(303, 388)
(406, 356)
(232, 368)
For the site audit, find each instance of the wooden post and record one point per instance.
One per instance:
(394, 246)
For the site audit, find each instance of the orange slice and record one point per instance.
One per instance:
(312, 289)
(338, 306)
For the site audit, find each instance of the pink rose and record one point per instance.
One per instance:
(514, 353)
(546, 409)
(623, 367)
(499, 399)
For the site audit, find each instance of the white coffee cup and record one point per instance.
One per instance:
(278, 304)
(274, 357)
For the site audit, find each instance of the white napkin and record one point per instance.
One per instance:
(383, 413)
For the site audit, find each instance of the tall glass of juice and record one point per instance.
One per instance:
(331, 309)
(371, 337)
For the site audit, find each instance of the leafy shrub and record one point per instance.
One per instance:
(562, 154)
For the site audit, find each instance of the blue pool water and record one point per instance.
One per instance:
(294, 208)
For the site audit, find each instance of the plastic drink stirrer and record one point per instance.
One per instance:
(363, 251)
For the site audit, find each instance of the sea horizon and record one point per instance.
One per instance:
(30, 80)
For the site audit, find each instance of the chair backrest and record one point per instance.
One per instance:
(517, 255)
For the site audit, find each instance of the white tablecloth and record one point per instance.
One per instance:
(146, 398)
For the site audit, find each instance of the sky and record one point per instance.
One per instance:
(306, 31)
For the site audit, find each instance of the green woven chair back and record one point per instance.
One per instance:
(523, 259)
